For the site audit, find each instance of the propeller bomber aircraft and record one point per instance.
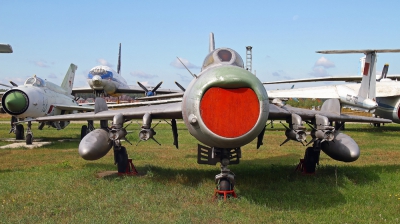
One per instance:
(224, 107)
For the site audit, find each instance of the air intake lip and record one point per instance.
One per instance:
(15, 102)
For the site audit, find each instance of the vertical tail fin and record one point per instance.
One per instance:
(68, 81)
(212, 43)
(368, 82)
(119, 60)
(384, 72)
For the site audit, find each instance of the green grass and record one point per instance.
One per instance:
(54, 185)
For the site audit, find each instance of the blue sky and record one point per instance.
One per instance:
(49, 35)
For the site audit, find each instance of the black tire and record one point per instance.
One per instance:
(83, 131)
(19, 132)
(225, 185)
(29, 139)
(310, 160)
(122, 159)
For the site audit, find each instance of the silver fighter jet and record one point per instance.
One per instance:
(225, 107)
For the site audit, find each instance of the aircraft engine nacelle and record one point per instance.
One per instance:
(225, 107)
(343, 148)
(389, 108)
(95, 144)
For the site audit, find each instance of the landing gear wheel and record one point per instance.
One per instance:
(310, 160)
(224, 185)
(29, 139)
(19, 132)
(83, 131)
(122, 159)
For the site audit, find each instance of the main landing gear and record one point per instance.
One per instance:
(225, 181)
(116, 133)
(311, 159)
(18, 130)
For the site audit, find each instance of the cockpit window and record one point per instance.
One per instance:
(224, 55)
(35, 81)
(209, 60)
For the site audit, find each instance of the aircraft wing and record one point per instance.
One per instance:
(163, 96)
(81, 90)
(72, 108)
(319, 79)
(174, 111)
(6, 48)
(163, 111)
(282, 113)
(321, 92)
(144, 103)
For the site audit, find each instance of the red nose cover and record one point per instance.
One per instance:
(230, 112)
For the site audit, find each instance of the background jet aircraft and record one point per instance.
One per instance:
(357, 96)
(38, 98)
(105, 81)
(387, 94)
(224, 107)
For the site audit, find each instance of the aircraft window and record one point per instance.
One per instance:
(225, 55)
(239, 61)
(30, 81)
(39, 82)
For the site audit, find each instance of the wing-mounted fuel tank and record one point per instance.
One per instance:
(336, 145)
(343, 148)
(225, 106)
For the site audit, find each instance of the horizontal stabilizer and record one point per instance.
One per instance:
(366, 51)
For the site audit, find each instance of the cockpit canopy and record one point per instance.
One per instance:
(223, 56)
(35, 81)
(103, 71)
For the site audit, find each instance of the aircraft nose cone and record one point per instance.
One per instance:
(96, 80)
(16, 102)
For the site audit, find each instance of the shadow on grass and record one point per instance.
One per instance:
(280, 186)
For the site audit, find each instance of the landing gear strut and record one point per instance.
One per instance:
(311, 159)
(225, 181)
(29, 134)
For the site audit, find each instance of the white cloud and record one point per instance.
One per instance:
(324, 63)
(104, 62)
(319, 72)
(142, 75)
(281, 73)
(41, 63)
(52, 76)
(177, 64)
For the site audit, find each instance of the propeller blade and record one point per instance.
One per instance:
(143, 87)
(180, 86)
(157, 86)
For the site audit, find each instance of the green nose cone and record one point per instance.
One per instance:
(15, 102)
